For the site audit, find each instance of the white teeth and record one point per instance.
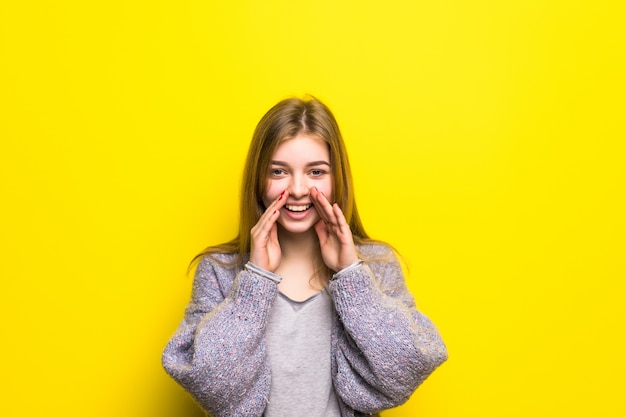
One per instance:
(297, 208)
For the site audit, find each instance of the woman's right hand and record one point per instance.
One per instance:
(264, 246)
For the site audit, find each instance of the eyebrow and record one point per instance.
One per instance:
(309, 164)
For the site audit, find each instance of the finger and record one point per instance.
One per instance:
(269, 217)
(275, 206)
(334, 215)
(262, 229)
(342, 224)
(274, 233)
(322, 206)
(340, 218)
(322, 232)
(279, 201)
(269, 220)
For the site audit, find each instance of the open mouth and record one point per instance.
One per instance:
(298, 208)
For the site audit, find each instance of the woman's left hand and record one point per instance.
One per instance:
(335, 236)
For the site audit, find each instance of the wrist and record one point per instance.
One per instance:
(348, 268)
(252, 267)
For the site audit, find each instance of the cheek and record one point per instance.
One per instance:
(272, 192)
(327, 188)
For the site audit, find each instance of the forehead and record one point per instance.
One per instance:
(302, 149)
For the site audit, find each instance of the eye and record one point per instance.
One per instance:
(317, 172)
(277, 172)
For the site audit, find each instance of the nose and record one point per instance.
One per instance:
(298, 186)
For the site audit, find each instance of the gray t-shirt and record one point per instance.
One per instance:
(298, 348)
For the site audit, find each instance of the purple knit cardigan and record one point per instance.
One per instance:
(382, 348)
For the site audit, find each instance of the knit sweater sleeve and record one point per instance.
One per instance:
(388, 348)
(218, 352)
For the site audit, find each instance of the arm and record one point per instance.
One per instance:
(388, 348)
(218, 352)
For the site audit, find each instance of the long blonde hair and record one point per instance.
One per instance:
(286, 120)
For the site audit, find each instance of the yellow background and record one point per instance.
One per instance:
(487, 142)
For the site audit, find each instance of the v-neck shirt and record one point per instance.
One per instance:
(298, 349)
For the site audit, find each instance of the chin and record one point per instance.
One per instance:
(297, 227)
(297, 230)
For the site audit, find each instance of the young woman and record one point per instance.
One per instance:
(302, 314)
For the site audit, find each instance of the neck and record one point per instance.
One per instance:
(300, 264)
(301, 245)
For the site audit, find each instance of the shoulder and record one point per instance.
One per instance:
(218, 258)
(216, 272)
(381, 259)
(377, 253)
(221, 265)
(221, 262)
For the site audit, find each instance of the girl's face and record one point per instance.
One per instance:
(297, 165)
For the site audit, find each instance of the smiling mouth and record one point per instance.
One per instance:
(298, 208)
